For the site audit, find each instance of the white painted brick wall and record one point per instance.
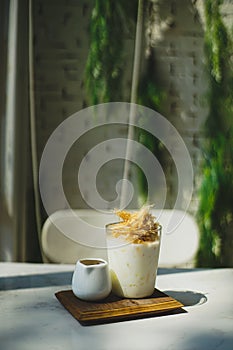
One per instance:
(61, 49)
(179, 59)
(61, 44)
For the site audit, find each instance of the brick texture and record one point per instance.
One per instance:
(61, 47)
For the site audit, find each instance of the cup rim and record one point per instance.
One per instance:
(102, 262)
(118, 222)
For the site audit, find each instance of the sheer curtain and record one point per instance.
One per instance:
(19, 206)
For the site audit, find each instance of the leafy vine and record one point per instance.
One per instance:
(105, 65)
(105, 62)
(214, 214)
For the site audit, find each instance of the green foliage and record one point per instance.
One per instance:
(105, 63)
(216, 194)
(152, 96)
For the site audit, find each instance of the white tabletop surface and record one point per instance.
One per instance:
(31, 317)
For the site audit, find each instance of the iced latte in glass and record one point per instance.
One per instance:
(133, 253)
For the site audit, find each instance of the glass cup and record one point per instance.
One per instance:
(133, 266)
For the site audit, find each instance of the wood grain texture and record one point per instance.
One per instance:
(114, 308)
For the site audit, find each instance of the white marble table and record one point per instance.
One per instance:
(31, 318)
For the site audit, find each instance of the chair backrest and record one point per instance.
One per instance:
(179, 245)
(178, 248)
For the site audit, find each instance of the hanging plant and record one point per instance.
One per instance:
(150, 95)
(214, 215)
(105, 63)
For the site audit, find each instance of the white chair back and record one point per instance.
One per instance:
(178, 248)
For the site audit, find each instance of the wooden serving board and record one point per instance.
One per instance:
(114, 308)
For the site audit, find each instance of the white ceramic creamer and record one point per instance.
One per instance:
(91, 279)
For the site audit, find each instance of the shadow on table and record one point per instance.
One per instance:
(168, 271)
(58, 279)
(187, 297)
(36, 281)
(212, 339)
